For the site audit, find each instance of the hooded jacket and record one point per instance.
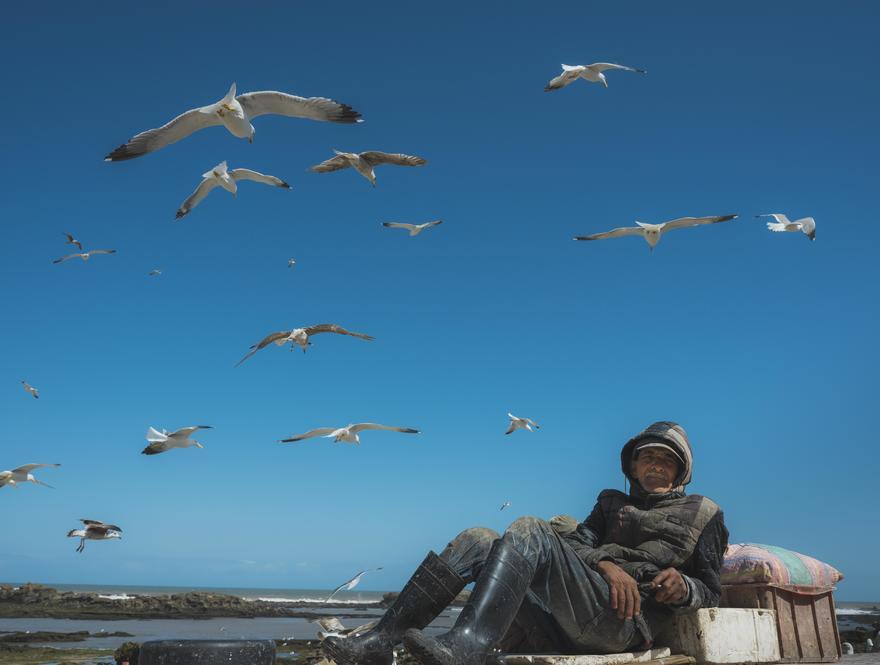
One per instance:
(645, 533)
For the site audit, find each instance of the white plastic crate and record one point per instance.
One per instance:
(724, 635)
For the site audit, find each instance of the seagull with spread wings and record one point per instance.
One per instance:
(806, 225)
(235, 113)
(521, 423)
(23, 474)
(165, 440)
(414, 229)
(652, 232)
(220, 176)
(365, 162)
(300, 337)
(73, 241)
(84, 255)
(94, 530)
(30, 389)
(504, 505)
(348, 434)
(352, 583)
(592, 73)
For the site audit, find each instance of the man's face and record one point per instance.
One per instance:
(655, 469)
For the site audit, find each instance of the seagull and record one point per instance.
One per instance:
(84, 255)
(504, 505)
(164, 440)
(352, 583)
(155, 272)
(365, 162)
(73, 241)
(521, 423)
(29, 388)
(414, 229)
(652, 232)
(348, 434)
(235, 113)
(805, 224)
(94, 530)
(592, 73)
(220, 176)
(23, 474)
(300, 337)
(291, 263)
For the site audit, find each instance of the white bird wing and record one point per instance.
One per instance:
(362, 426)
(512, 426)
(171, 132)
(339, 330)
(532, 423)
(602, 66)
(375, 157)
(332, 164)
(186, 432)
(685, 222)
(281, 103)
(155, 435)
(399, 225)
(97, 525)
(256, 176)
(66, 258)
(779, 217)
(204, 188)
(808, 225)
(569, 75)
(428, 225)
(615, 233)
(101, 251)
(263, 343)
(320, 431)
(27, 468)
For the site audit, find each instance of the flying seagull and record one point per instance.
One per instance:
(84, 255)
(219, 176)
(23, 474)
(365, 162)
(94, 530)
(348, 434)
(414, 229)
(592, 73)
(164, 440)
(155, 272)
(235, 113)
(504, 505)
(300, 337)
(521, 423)
(805, 224)
(29, 388)
(291, 262)
(652, 232)
(352, 583)
(73, 241)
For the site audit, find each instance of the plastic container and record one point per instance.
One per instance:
(721, 635)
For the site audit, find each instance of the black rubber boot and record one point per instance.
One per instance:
(427, 593)
(485, 619)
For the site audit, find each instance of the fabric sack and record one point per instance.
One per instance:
(752, 563)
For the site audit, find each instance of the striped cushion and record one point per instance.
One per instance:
(751, 563)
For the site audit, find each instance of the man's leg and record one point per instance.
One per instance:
(435, 583)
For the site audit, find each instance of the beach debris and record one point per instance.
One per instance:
(806, 225)
(348, 434)
(235, 112)
(352, 583)
(22, 474)
(165, 440)
(84, 255)
(220, 176)
(504, 505)
(300, 337)
(94, 530)
(365, 162)
(592, 73)
(30, 389)
(414, 229)
(652, 232)
(521, 423)
(73, 241)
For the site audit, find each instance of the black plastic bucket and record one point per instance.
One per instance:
(207, 652)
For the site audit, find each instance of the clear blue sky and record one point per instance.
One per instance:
(763, 346)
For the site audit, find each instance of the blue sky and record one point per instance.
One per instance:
(762, 345)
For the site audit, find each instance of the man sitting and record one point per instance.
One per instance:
(606, 586)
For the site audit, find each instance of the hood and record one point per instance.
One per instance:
(667, 432)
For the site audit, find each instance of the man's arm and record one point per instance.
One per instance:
(703, 572)
(587, 536)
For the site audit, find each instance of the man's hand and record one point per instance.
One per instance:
(624, 590)
(671, 587)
